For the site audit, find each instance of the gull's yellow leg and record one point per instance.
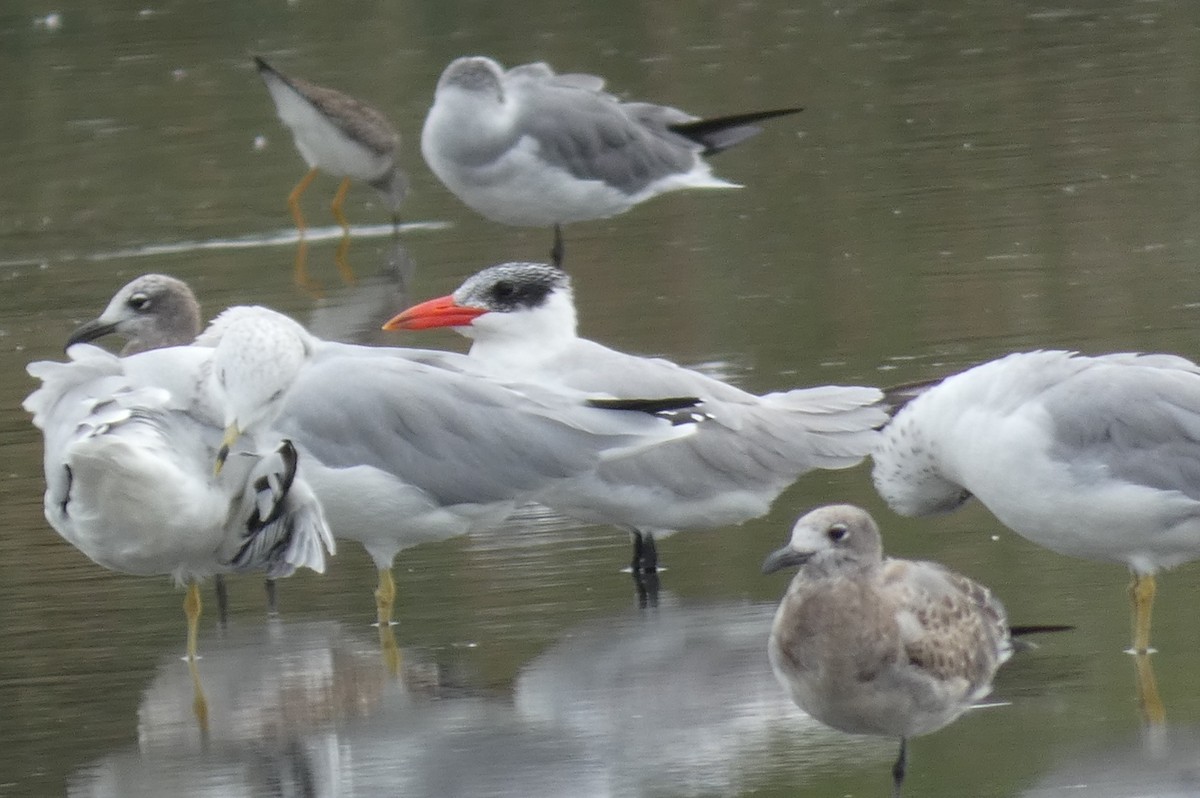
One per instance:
(1151, 705)
(385, 597)
(294, 200)
(392, 657)
(1141, 595)
(343, 265)
(338, 200)
(191, 608)
(199, 702)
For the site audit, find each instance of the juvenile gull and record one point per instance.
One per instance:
(532, 148)
(152, 311)
(522, 321)
(339, 135)
(405, 446)
(874, 645)
(1095, 457)
(129, 448)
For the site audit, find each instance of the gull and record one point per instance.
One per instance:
(406, 446)
(153, 311)
(339, 135)
(129, 447)
(1093, 457)
(874, 645)
(532, 148)
(522, 321)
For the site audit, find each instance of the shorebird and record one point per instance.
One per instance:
(522, 321)
(875, 645)
(1094, 457)
(339, 135)
(532, 148)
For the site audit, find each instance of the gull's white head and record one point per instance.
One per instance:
(258, 354)
(834, 535)
(532, 303)
(473, 74)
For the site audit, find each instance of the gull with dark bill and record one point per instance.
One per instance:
(339, 135)
(533, 148)
(875, 645)
(1094, 457)
(522, 321)
(129, 450)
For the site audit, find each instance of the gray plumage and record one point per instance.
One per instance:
(521, 317)
(529, 147)
(873, 645)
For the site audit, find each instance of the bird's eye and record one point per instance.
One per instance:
(503, 289)
(837, 532)
(275, 397)
(139, 301)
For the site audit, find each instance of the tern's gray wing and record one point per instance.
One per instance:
(1136, 419)
(593, 137)
(459, 439)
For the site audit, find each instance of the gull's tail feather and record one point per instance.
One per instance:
(721, 133)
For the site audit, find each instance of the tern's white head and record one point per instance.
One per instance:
(526, 304)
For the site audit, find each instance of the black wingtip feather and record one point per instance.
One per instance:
(721, 133)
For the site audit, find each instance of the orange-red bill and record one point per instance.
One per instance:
(440, 312)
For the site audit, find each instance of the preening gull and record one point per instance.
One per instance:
(522, 321)
(406, 446)
(1095, 457)
(152, 311)
(339, 135)
(870, 645)
(129, 448)
(533, 148)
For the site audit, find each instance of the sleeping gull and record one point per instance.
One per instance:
(532, 148)
(337, 134)
(522, 321)
(406, 446)
(870, 645)
(1095, 457)
(152, 311)
(129, 447)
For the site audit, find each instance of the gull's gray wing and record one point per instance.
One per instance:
(593, 137)
(1136, 418)
(458, 438)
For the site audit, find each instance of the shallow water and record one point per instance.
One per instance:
(967, 179)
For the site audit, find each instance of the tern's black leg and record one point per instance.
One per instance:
(272, 597)
(900, 768)
(646, 586)
(645, 553)
(556, 251)
(222, 599)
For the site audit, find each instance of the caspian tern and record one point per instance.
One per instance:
(532, 148)
(521, 318)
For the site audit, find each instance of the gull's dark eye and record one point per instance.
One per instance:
(837, 532)
(275, 397)
(139, 301)
(503, 290)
